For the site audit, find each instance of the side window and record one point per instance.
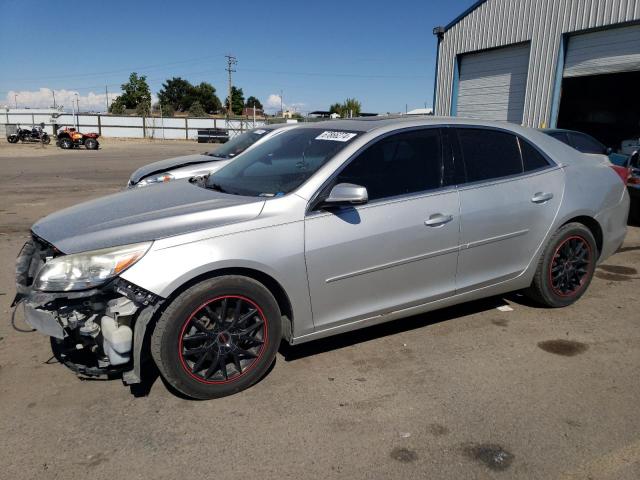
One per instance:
(587, 144)
(489, 154)
(532, 159)
(403, 163)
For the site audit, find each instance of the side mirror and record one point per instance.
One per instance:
(347, 194)
(608, 151)
(634, 159)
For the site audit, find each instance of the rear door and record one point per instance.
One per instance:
(398, 250)
(508, 203)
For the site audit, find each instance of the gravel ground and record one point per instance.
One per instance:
(465, 392)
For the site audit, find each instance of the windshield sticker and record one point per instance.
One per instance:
(336, 136)
(259, 132)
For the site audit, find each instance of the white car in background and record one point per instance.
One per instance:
(202, 164)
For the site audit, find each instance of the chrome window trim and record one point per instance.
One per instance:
(492, 181)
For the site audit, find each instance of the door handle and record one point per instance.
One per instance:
(541, 197)
(438, 220)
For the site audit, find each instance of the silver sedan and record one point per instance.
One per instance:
(186, 166)
(322, 229)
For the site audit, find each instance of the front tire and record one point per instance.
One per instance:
(12, 139)
(91, 144)
(218, 337)
(66, 143)
(566, 267)
(46, 140)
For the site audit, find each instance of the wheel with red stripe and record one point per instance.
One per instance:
(218, 337)
(566, 266)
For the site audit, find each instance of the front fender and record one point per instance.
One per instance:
(276, 251)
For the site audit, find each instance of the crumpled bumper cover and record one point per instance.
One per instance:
(43, 321)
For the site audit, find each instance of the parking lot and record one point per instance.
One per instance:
(471, 391)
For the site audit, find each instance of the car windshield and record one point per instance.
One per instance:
(280, 164)
(239, 143)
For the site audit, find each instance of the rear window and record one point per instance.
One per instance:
(586, 144)
(562, 136)
(489, 154)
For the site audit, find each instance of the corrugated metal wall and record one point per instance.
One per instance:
(498, 23)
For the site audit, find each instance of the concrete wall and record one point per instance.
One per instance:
(129, 127)
(496, 23)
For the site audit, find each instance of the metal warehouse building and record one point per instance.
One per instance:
(571, 64)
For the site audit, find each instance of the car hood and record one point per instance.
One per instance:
(143, 214)
(170, 164)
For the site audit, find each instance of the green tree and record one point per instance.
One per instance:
(237, 101)
(176, 92)
(117, 108)
(253, 102)
(351, 107)
(336, 108)
(181, 94)
(196, 109)
(205, 93)
(135, 95)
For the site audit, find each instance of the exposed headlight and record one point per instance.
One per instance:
(156, 178)
(87, 270)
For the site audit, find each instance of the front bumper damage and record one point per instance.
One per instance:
(97, 332)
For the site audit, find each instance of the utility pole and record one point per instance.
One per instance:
(15, 99)
(106, 95)
(77, 112)
(231, 61)
(53, 92)
(281, 104)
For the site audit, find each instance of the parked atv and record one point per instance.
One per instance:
(69, 138)
(29, 135)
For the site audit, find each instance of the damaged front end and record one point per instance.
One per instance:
(96, 331)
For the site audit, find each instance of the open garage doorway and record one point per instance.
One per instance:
(604, 106)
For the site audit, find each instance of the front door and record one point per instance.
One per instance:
(398, 250)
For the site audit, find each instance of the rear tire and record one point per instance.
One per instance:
(91, 144)
(565, 268)
(218, 337)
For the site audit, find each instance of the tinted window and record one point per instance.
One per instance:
(404, 163)
(562, 136)
(489, 154)
(532, 159)
(239, 143)
(587, 144)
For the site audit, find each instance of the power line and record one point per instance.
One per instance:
(109, 72)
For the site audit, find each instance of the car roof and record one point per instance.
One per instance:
(368, 124)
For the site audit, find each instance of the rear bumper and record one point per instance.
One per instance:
(614, 226)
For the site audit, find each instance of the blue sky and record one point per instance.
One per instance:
(317, 53)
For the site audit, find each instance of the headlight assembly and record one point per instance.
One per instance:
(87, 270)
(155, 178)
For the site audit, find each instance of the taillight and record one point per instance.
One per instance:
(633, 180)
(623, 172)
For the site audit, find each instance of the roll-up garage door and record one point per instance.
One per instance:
(613, 50)
(492, 84)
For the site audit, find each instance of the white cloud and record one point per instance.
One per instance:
(43, 98)
(273, 103)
